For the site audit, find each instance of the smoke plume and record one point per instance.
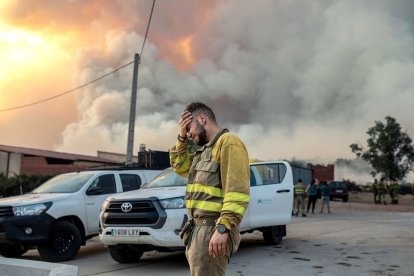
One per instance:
(295, 79)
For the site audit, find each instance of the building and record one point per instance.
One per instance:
(150, 159)
(324, 173)
(116, 157)
(28, 161)
(153, 158)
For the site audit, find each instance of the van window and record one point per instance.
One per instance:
(252, 178)
(106, 183)
(269, 173)
(63, 183)
(168, 178)
(130, 182)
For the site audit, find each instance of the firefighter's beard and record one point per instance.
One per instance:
(202, 135)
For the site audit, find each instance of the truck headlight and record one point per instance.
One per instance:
(105, 204)
(31, 210)
(173, 203)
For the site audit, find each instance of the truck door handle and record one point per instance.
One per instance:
(282, 191)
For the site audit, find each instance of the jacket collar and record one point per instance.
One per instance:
(214, 140)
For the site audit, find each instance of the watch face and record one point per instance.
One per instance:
(221, 229)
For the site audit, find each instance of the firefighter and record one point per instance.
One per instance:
(375, 191)
(382, 189)
(412, 189)
(217, 192)
(394, 191)
(299, 198)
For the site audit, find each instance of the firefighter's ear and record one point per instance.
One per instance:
(202, 119)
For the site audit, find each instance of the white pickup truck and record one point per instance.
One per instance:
(152, 217)
(61, 214)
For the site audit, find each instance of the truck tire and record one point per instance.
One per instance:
(125, 254)
(272, 235)
(345, 199)
(12, 250)
(63, 243)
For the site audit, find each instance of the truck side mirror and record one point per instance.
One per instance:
(94, 191)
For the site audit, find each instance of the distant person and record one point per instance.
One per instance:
(382, 189)
(375, 191)
(299, 198)
(412, 189)
(325, 196)
(312, 192)
(393, 190)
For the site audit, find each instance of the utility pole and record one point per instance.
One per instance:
(132, 111)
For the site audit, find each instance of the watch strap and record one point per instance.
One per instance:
(181, 138)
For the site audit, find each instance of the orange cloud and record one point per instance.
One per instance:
(180, 53)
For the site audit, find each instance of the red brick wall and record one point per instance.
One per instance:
(324, 173)
(39, 166)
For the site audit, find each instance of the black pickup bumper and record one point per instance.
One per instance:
(26, 230)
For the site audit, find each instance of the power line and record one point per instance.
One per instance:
(88, 83)
(66, 92)
(148, 25)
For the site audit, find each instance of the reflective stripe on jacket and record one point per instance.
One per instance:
(299, 189)
(393, 185)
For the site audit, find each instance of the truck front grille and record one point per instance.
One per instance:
(143, 213)
(6, 211)
(137, 207)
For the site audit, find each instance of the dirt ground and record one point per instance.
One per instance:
(365, 201)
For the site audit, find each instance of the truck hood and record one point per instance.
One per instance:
(160, 193)
(28, 199)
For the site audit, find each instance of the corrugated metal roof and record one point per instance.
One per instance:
(53, 154)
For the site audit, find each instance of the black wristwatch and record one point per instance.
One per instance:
(181, 138)
(221, 228)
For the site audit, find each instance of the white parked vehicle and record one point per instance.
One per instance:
(152, 217)
(61, 214)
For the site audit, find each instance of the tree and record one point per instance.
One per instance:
(389, 152)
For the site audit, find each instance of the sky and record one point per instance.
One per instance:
(294, 79)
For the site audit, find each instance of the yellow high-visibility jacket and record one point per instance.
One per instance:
(382, 186)
(393, 185)
(218, 178)
(299, 189)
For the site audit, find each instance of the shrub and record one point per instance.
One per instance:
(20, 184)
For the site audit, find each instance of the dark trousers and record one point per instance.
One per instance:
(312, 200)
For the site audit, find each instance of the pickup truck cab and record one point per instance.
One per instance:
(61, 214)
(152, 217)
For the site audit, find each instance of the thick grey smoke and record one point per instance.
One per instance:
(295, 79)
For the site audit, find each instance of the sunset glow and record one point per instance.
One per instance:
(20, 49)
(185, 47)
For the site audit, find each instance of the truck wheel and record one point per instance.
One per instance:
(63, 243)
(12, 250)
(272, 235)
(345, 199)
(125, 254)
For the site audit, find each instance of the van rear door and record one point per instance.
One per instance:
(271, 195)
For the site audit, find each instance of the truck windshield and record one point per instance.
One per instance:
(64, 183)
(167, 178)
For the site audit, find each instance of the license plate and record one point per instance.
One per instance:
(339, 191)
(125, 232)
